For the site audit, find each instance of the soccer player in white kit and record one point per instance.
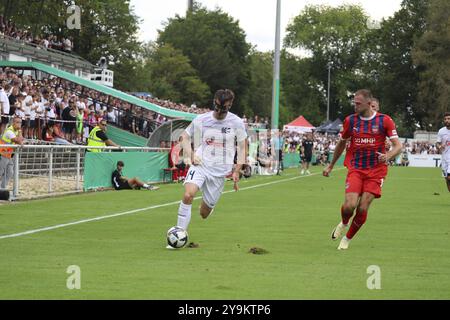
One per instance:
(443, 143)
(216, 137)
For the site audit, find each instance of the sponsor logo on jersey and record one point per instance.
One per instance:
(365, 140)
(212, 142)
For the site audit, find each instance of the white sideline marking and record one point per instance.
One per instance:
(58, 226)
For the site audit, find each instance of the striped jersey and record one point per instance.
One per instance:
(367, 137)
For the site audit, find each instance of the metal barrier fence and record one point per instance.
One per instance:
(48, 170)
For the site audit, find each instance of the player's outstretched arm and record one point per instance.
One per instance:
(186, 148)
(440, 147)
(395, 150)
(241, 160)
(340, 147)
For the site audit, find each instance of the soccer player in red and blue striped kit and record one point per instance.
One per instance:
(367, 166)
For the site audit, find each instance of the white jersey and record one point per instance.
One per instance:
(215, 141)
(443, 138)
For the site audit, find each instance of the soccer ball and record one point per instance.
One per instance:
(177, 237)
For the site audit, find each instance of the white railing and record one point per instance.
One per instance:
(48, 170)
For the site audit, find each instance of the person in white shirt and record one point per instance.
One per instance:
(4, 109)
(20, 110)
(443, 144)
(217, 136)
(33, 114)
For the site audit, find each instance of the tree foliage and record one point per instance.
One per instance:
(108, 28)
(333, 35)
(431, 55)
(393, 75)
(216, 48)
(171, 76)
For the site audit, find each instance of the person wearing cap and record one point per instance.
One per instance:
(120, 182)
(98, 138)
(12, 135)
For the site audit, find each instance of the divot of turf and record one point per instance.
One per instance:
(256, 250)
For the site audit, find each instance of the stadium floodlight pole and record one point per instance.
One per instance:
(276, 72)
(328, 98)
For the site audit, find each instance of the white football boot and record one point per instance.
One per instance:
(343, 245)
(338, 231)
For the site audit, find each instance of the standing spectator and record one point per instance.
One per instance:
(12, 135)
(4, 109)
(92, 119)
(79, 124)
(306, 153)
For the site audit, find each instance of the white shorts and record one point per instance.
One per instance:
(211, 186)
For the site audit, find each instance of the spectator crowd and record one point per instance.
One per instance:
(421, 147)
(71, 109)
(56, 110)
(49, 41)
(324, 144)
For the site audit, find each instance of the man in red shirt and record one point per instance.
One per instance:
(367, 131)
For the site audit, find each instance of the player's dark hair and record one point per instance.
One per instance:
(366, 93)
(447, 114)
(224, 95)
(120, 163)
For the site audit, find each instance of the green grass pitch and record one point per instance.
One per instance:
(124, 257)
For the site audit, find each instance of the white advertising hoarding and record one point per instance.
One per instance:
(424, 160)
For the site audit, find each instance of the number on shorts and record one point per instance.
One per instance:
(191, 175)
(381, 183)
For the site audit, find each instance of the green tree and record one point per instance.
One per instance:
(216, 48)
(259, 99)
(335, 35)
(108, 28)
(300, 92)
(389, 67)
(431, 55)
(170, 76)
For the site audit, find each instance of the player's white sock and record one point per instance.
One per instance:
(145, 185)
(184, 215)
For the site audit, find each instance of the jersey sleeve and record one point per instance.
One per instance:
(241, 133)
(346, 132)
(439, 137)
(390, 129)
(190, 129)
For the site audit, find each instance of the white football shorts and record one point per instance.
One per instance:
(211, 186)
